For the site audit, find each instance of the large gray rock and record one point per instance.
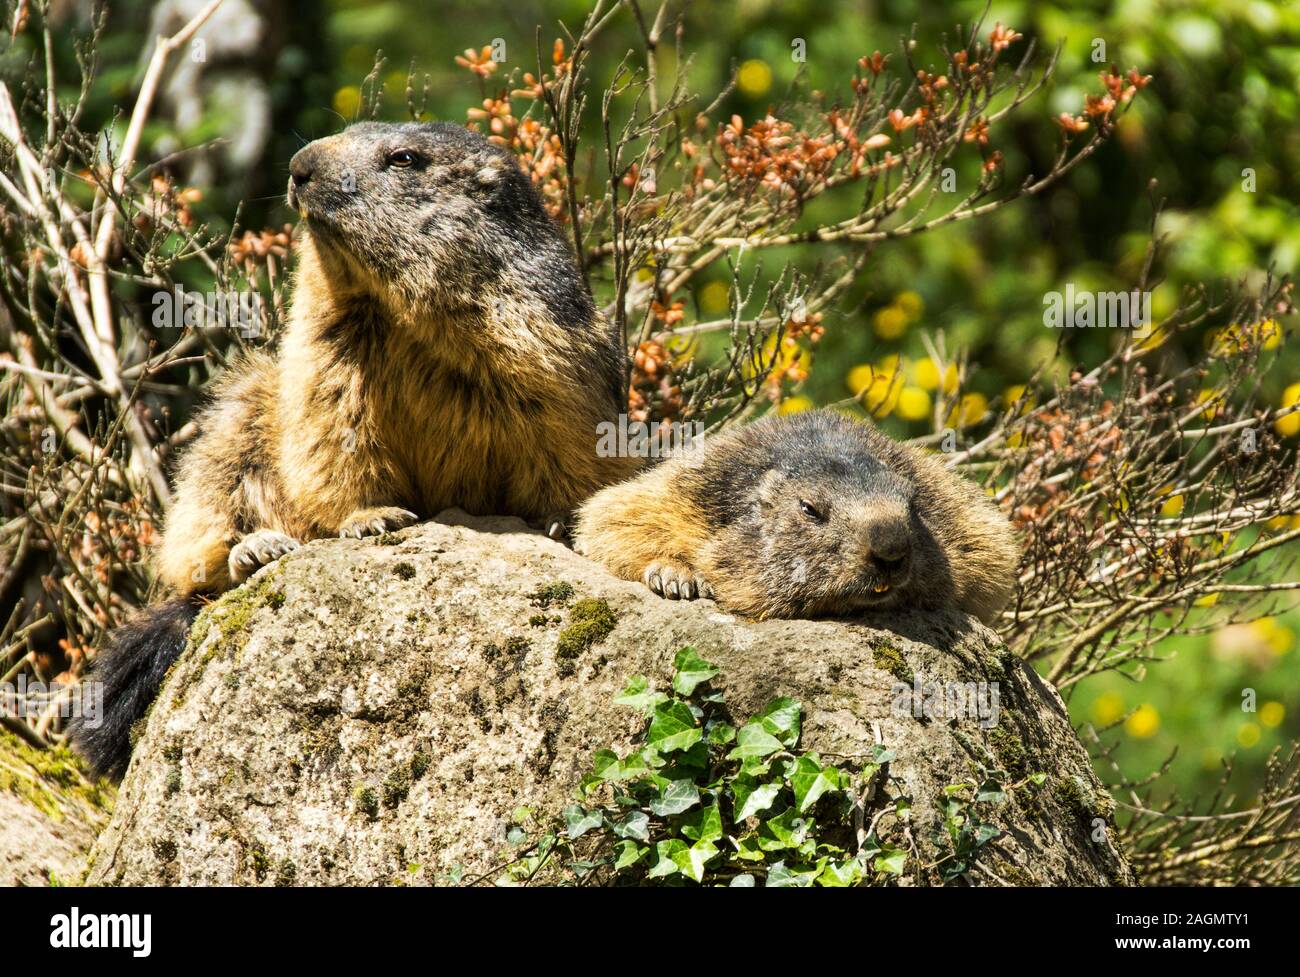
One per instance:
(50, 812)
(281, 748)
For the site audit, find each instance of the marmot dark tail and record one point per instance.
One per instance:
(131, 668)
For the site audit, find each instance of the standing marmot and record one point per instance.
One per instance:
(442, 350)
(805, 515)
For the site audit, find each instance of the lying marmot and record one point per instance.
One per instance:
(805, 515)
(442, 350)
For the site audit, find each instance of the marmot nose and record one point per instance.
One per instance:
(890, 541)
(302, 166)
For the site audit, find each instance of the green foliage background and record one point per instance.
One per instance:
(1223, 101)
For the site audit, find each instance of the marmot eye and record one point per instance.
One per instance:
(809, 510)
(401, 158)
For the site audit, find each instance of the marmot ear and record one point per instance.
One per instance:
(488, 175)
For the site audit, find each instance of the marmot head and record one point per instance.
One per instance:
(430, 212)
(825, 524)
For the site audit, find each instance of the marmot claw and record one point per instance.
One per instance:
(256, 550)
(373, 522)
(676, 581)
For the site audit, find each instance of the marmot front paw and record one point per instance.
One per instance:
(256, 550)
(372, 522)
(676, 581)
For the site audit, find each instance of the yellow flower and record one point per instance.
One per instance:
(1213, 399)
(913, 404)
(1277, 636)
(347, 100)
(1289, 426)
(950, 379)
(715, 298)
(1144, 722)
(926, 374)
(876, 385)
(890, 322)
(1271, 714)
(754, 78)
(1247, 734)
(1107, 709)
(793, 405)
(910, 303)
(969, 410)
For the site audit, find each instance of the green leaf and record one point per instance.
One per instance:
(754, 740)
(578, 820)
(720, 734)
(745, 881)
(751, 796)
(665, 858)
(627, 854)
(811, 780)
(786, 830)
(705, 825)
(635, 825)
(673, 728)
(781, 877)
(678, 796)
(638, 695)
(881, 754)
(991, 791)
(692, 670)
(841, 875)
(891, 861)
(693, 860)
(780, 717)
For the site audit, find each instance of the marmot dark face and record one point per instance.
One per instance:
(435, 213)
(823, 524)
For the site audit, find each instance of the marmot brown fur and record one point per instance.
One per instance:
(442, 350)
(805, 515)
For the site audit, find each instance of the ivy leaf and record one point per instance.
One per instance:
(991, 790)
(665, 858)
(986, 833)
(781, 877)
(1038, 778)
(638, 695)
(751, 796)
(780, 717)
(891, 861)
(785, 831)
(745, 881)
(749, 849)
(881, 754)
(706, 825)
(754, 741)
(841, 875)
(678, 796)
(635, 825)
(627, 854)
(578, 820)
(693, 860)
(720, 734)
(691, 671)
(604, 765)
(516, 836)
(673, 728)
(811, 780)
